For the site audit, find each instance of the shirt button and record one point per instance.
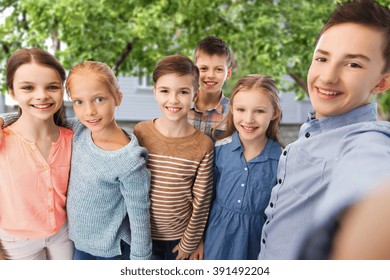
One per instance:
(242, 185)
(271, 205)
(280, 181)
(245, 168)
(51, 209)
(307, 135)
(239, 201)
(285, 153)
(263, 241)
(50, 189)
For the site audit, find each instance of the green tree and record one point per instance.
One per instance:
(275, 37)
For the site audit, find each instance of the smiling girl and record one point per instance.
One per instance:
(34, 161)
(244, 170)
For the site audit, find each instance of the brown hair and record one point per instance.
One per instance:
(104, 72)
(367, 13)
(41, 57)
(177, 64)
(262, 83)
(213, 45)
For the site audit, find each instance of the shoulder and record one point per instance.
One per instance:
(204, 141)
(143, 126)
(66, 132)
(224, 141)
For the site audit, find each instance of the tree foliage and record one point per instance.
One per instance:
(274, 37)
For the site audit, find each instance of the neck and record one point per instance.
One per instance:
(254, 147)
(34, 130)
(170, 128)
(207, 101)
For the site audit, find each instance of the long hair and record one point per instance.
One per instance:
(41, 57)
(262, 83)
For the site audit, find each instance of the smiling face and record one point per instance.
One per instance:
(346, 69)
(93, 103)
(252, 113)
(214, 72)
(174, 94)
(38, 91)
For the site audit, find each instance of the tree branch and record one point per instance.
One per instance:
(300, 82)
(122, 57)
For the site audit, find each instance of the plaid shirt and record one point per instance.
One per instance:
(208, 120)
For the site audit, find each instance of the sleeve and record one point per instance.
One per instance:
(202, 192)
(135, 189)
(9, 118)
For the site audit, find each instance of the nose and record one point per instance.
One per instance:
(90, 110)
(173, 98)
(210, 73)
(41, 94)
(329, 74)
(249, 117)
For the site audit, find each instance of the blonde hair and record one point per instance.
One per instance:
(104, 72)
(262, 83)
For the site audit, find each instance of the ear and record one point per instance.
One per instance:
(229, 73)
(195, 96)
(118, 99)
(383, 85)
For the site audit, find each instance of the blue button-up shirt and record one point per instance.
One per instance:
(334, 157)
(242, 192)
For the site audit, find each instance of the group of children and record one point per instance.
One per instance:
(210, 178)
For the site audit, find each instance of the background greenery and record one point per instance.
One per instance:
(274, 37)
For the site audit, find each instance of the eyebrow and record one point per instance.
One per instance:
(349, 56)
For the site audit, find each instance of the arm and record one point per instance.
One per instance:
(6, 120)
(365, 229)
(202, 194)
(135, 190)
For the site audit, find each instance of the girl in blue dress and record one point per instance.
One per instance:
(244, 170)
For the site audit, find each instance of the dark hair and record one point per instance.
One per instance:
(262, 83)
(364, 12)
(104, 73)
(213, 45)
(41, 57)
(177, 64)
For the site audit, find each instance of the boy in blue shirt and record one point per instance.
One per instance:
(342, 150)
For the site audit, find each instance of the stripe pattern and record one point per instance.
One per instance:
(181, 184)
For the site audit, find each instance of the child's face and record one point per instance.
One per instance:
(38, 91)
(252, 113)
(93, 104)
(174, 94)
(214, 72)
(346, 69)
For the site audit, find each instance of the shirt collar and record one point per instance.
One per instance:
(272, 150)
(218, 108)
(364, 113)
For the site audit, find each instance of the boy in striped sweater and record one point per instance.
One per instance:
(180, 160)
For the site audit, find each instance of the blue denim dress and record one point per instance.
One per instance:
(242, 192)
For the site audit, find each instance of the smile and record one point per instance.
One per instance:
(249, 128)
(328, 92)
(42, 106)
(173, 109)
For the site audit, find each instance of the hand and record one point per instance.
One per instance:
(181, 255)
(198, 254)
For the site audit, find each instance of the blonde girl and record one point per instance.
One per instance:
(245, 167)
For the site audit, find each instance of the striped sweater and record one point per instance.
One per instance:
(181, 185)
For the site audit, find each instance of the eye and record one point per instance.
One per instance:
(27, 87)
(353, 65)
(99, 99)
(320, 59)
(260, 111)
(77, 102)
(202, 69)
(164, 91)
(220, 69)
(240, 109)
(53, 87)
(183, 92)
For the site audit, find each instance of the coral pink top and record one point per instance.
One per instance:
(32, 188)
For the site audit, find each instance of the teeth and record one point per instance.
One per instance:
(93, 121)
(42, 106)
(210, 83)
(328, 92)
(249, 128)
(173, 110)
